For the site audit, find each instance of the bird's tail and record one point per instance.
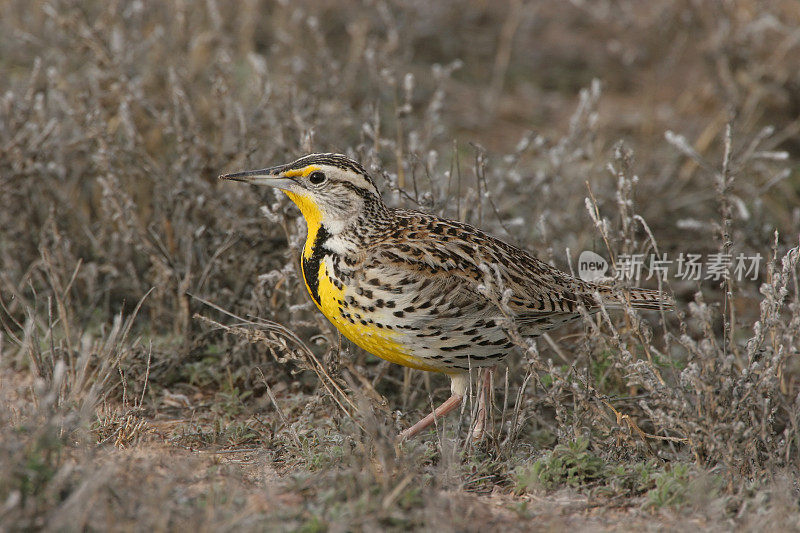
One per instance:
(635, 297)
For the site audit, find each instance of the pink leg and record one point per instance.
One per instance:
(451, 403)
(457, 387)
(484, 399)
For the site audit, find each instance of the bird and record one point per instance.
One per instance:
(423, 291)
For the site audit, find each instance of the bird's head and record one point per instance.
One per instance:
(331, 190)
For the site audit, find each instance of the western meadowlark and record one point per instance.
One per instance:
(412, 288)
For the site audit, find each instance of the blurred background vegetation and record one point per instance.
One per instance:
(115, 236)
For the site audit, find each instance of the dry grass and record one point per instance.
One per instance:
(161, 366)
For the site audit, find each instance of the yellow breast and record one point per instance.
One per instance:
(381, 342)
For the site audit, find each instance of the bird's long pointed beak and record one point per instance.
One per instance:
(266, 176)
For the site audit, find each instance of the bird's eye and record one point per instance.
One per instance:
(316, 177)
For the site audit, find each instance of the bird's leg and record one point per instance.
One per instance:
(458, 387)
(484, 400)
(451, 403)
